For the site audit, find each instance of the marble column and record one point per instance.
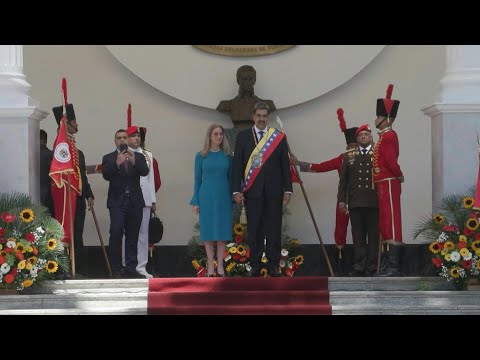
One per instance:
(19, 127)
(455, 120)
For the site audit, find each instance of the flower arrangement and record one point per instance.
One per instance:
(454, 235)
(237, 254)
(31, 249)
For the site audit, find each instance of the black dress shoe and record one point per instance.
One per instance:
(117, 275)
(356, 273)
(132, 274)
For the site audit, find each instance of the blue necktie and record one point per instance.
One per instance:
(261, 135)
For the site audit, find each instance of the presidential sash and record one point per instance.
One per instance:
(260, 155)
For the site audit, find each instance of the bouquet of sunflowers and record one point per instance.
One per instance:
(454, 235)
(31, 249)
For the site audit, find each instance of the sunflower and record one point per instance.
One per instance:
(263, 272)
(468, 202)
(195, 264)
(472, 224)
(476, 245)
(29, 266)
(52, 266)
(232, 250)
(454, 272)
(434, 248)
(439, 218)
(230, 267)
(21, 265)
(238, 229)
(448, 245)
(51, 244)
(27, 215)
(464, 252)
(27, 283)
(299, 260)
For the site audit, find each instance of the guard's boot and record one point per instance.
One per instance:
(392, 257)
(339, 262)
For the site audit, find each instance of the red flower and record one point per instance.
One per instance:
(9, 278)
(462, 244)
(2, 260)
(467, 232)
(440, 245)
(7, 249)
(477, 236)
(450, 228)
(35, 250)
(238, 239)
(289, 272)
(466, 264)
(247, 253)
(243, 259)
(19, 255)
(437, 262)
(30, 237)
(236, 256)
(201, 272)
(2, 232)
(8, 218)
(294, 265)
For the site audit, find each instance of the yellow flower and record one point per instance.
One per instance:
(454, 272)
(294, 242)
(232, 250)
(434, 248)
(238, 229)
(21, 265)
(447, 257)
(444, 252)
(29, 266)
(32, 260)
(472, 224)
(27, 215)
(477, 252)
(1, 246)
(20, 247)
(51, 244)
(299, 260)
(462, 238)
(27, 283)
(468, 202)
(475, 245)
(230, 266)
(52, 266)
(439, 218)
(241, 249)
(449, 245)
(464, 252)
(263, 272)
(264, 259)
(195, 264)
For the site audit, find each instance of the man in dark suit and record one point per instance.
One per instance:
(85, 195)
(356, 189)
(123, 168)
(261, 161)
(46, 156)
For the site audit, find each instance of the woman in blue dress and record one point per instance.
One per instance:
(212, 196)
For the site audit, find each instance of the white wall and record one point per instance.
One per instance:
(100, 88)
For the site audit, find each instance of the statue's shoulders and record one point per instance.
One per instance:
(225, 106)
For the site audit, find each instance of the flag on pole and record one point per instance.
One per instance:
(62, 163)
(293, 174)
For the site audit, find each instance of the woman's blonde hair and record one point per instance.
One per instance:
(206, 145)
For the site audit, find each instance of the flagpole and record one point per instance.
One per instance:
(324, 251)
(101, 241)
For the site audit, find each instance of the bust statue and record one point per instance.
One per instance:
(240, 107)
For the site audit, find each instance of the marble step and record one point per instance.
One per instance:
(405, 310)
(388, 283)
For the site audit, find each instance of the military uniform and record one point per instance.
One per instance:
(388, 178)
(356, 189)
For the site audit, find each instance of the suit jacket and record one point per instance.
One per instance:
(274, 177)
(86, 189)
(121, 180)
(46, 156)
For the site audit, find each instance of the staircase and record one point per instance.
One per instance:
(239, 296)
(400, 296)
(79, 297)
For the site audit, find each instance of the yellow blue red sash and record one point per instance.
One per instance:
(260, 155)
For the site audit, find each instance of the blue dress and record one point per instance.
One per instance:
(212, 193)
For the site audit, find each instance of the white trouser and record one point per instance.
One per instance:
(142, 247)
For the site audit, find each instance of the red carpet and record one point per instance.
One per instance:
(239, 296)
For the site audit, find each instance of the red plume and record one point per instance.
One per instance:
(389, 91)
(129, 115)
(341, 119)
(64, 89)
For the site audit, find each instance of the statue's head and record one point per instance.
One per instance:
(246, 77)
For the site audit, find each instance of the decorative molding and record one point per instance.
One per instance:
(243, 50)
(438, 108)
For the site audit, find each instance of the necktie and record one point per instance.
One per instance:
(261, 135)
(364, 151)
(125, 165)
